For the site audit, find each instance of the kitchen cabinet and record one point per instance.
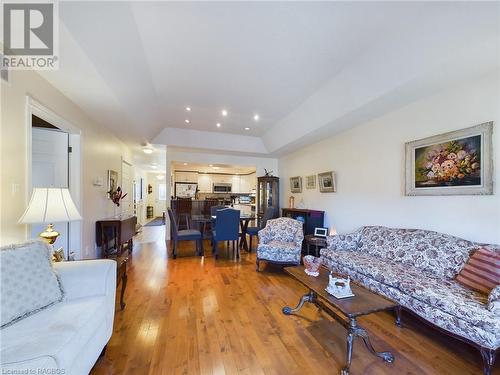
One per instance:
(242, 184)
(248, 183)
(235, 182)
(186, 176)
(205, 183)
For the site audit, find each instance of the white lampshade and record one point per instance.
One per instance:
(50, 205)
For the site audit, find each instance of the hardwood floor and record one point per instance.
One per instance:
(197, 315)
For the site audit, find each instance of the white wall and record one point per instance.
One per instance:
(100, 149)
(369, 162)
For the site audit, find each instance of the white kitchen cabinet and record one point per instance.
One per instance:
(186, 176)
(240, 183)
(205, 183)
(235, 182)
(247, 183)
(222, 178)
(243, 184)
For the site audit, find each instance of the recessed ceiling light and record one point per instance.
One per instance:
(188, 109)
(154, 166)
(185, 164)
(247, 128)
(218, 124)
(215, 167)
(224, 113)
(187, 121)
(147, 150)
(256, 117)
(210, 165)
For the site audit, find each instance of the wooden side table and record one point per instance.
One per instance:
(317, 242)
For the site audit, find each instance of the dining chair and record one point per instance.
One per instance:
(214, 209)
(184, 235)
(227, 228)
(184, 208)
(270, 213)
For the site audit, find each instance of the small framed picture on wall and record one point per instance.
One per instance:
(296, 184)
(311, 182)
(112, 181)
(326, 182)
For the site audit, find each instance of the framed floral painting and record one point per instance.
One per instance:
(454, 163)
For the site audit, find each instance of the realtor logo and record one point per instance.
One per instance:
(29, 35)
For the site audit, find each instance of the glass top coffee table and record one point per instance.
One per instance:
(345, 311)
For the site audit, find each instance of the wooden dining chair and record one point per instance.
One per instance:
(184, 235)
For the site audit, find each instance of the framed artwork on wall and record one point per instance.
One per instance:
(326, 182)
(296, 184)
(455, 163)
(112, 180)
(311, 182)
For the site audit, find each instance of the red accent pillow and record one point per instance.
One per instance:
(482, 271)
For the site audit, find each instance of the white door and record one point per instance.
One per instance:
(50, 169)
(160, 198)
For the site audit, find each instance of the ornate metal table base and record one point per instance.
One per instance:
(357, 331)
(353, 331)
(309, 297)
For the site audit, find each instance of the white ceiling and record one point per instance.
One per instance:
(134, 67)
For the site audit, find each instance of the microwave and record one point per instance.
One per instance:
(221, 188)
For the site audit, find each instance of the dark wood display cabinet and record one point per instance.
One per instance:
(268, 194)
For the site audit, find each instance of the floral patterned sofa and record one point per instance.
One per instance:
(280, 241)
(416, 268)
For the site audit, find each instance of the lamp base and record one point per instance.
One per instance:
(49, 235)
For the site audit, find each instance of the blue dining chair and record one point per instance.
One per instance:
(270, 213)
(184, 235)
(227, 228)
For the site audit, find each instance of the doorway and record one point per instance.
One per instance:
(54, 161)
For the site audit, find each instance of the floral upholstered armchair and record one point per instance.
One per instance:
(280, 242)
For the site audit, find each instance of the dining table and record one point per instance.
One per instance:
(245, 219)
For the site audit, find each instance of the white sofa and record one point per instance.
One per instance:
(67, 337)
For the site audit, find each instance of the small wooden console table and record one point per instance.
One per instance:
(345, 311)
(115, 236)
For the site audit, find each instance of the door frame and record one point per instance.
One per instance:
(34, 107)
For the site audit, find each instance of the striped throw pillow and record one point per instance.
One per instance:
(482, 271)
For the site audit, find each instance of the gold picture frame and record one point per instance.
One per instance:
(296, 184)
(311, 182)
(326, 182)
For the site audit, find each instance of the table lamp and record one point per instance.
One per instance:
(48, 206)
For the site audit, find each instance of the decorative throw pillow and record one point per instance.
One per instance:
(28, 280)
(482, 271)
